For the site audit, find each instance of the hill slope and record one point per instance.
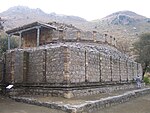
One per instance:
(20, 15)
(123, 24)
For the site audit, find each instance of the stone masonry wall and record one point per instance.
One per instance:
(105, 67)
(115, 70)
(92, 66)
(77, 66)
(1, 70)
(35, 67)
(9, 78)
(54, 65)
(18, 67)
(68, 64)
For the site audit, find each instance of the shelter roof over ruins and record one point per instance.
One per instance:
(28, 27)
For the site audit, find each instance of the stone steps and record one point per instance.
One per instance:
(86, 106)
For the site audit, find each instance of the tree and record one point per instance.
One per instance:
(142, 50)
(124, 45)
(4, 44)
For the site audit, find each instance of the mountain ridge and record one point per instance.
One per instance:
(19, 15)
(125, 26)
(119, 24)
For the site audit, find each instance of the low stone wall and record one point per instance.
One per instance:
(91, 106)
(70, 92)
(88, 106)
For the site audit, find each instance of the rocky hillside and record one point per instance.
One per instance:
(20, 15)
(123, 24)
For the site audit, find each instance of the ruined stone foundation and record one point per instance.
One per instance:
(69, 69)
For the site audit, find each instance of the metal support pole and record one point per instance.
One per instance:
(20, 40)
(9, 41)
(38, 36)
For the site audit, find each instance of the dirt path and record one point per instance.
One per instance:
(138, 105)
(9, 106)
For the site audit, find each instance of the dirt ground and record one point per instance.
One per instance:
(9, 106)
(138, 105)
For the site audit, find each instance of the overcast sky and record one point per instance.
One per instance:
(88, 9)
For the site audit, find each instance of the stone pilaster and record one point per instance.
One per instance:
(66, 65)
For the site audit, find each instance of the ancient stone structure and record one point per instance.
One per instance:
(69, 62)
(1, 70)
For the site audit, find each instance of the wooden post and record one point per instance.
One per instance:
(119, 69)
(94, 36)
(100, 67)
(78, 35)
(38, 36)
(127, 70)
(20, 40)
(9, 41)
(111, 60)
(86, 67)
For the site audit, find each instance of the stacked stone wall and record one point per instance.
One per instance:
(35, 67)
(99, 37)
(55, 65)
(75, 35)
(135, 67)
(46, 35)
(1, 70)
(115, 70)
(18, 67)
(123, 70)
(93, 66)
(89, 36)
(77, 65)
(62, 64)
(140, 72)
(106, 72)
(55, 35)
(9, 78)
(130, 71)
(70, 35)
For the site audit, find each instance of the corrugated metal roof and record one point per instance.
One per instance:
(31, 26)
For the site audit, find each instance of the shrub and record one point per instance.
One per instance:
(146, 80)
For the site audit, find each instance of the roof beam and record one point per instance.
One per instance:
(24, 30)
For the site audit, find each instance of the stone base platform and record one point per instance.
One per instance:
(86, 104)
(69, 91)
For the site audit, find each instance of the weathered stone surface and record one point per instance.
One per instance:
(115, 70)
(92, 66)
(35, 67)
(68, 94)
(87, 106)
(55, 65)
(70, 66)
(1, 70)
(106, 69)
(18, 67)
(77, 65)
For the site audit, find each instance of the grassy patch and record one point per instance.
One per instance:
(147, 78)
